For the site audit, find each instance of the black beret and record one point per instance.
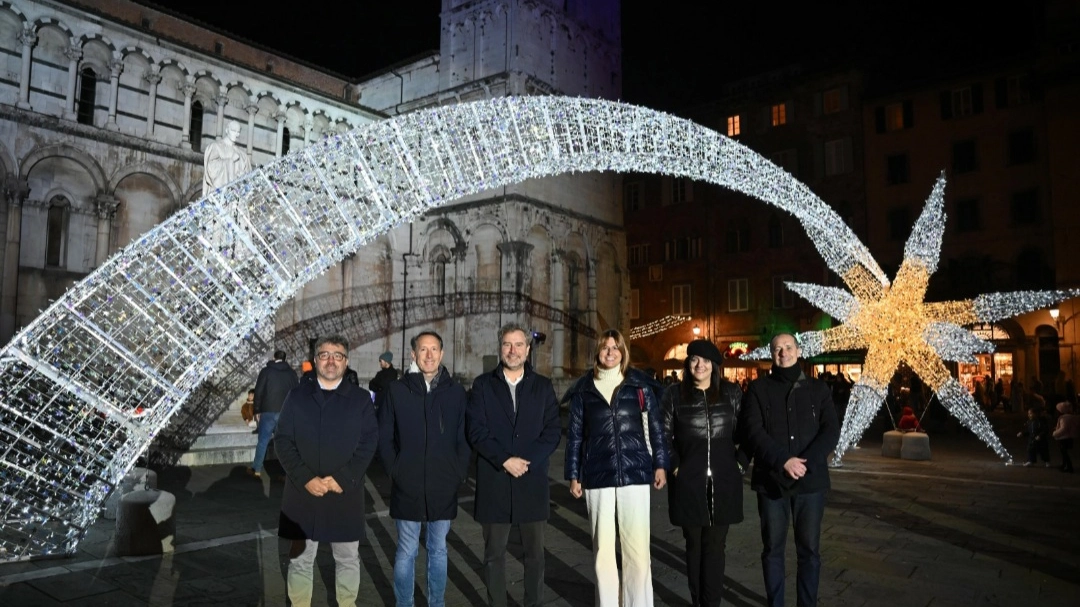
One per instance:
(705, 349)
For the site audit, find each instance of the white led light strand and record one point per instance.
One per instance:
(657, 326)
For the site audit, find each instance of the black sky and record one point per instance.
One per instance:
(672, 58)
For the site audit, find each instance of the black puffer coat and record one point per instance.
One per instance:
(701, 435)
(605, 443)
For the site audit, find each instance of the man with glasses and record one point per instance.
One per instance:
(326, 436)
(789, 426)
(422, 444)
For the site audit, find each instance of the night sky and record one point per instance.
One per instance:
(671, 60)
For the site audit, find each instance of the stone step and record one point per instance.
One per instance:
(242, 439)
(220, 455)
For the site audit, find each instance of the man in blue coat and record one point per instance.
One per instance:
(422, 444)
(326, 437)
(513, 423)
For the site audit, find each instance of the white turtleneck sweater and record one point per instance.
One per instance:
(607, 381)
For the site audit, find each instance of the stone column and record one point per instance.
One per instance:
(28, 38)
(221, 100)
(280, 118)
(590, 279)
(515, 263)
(73, 53)
(16, 191)
(188, 89)
(308, 125)
(106, 205)
(153, 78)
(252, 109)
(115, 67)
(558, 301)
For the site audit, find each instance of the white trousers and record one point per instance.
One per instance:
(631, 506)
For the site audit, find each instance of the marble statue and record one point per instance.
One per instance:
(224, 161)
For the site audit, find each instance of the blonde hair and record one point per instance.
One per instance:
(620, 343)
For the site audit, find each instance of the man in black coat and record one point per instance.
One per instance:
(325, 439)
(387, 373)
(789, 425)
(422, 444)
(513, 423)
(275, 381)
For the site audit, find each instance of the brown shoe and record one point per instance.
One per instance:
(251, 472)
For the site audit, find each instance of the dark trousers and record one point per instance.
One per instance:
(1066, 446)
(805, 512)
(705, 563)
(496, 536)
(1041, 448)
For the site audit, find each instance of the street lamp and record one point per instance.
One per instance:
(697, 331)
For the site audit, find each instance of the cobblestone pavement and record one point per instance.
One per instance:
(960, 530)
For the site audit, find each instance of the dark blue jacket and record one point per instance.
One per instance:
(497, 434)
(422, 444)
(325, 434)
(778, 421)
(275, 381)
(605, 443)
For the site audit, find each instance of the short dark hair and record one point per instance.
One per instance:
(417, 337)
(279, 355)
(510, 327)
(337, 340)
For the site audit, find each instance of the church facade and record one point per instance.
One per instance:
(107, 106)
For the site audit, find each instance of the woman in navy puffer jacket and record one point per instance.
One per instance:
(612, 462)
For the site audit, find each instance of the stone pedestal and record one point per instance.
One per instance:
(891, 443)
(916, 446)
(145, 523)
(135, 479)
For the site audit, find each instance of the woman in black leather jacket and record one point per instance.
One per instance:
(705, 492)
(612, 457)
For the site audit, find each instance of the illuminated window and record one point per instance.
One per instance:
(779, 114)
(894, 116)
(733, 128)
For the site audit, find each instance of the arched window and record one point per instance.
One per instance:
(439, 272)
(776, 232)
(54, 232)
(84, 111)
(195, 128)
(284, 141)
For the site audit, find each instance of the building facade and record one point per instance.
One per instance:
(106, 107)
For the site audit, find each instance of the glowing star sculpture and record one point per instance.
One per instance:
(895, 325)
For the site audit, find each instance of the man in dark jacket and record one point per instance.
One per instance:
(326, 438)
(789, 426)
(513, 423)
(387, 373)
(275, 381)
(422, 444)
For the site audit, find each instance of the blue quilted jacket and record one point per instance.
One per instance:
(605, 443)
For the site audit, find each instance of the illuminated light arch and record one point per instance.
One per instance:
(87, 385)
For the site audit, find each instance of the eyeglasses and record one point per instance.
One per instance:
(337, 356)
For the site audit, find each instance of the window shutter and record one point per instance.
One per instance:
(909, 114)
(976, 98)
(946, 105)
(879, 119)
